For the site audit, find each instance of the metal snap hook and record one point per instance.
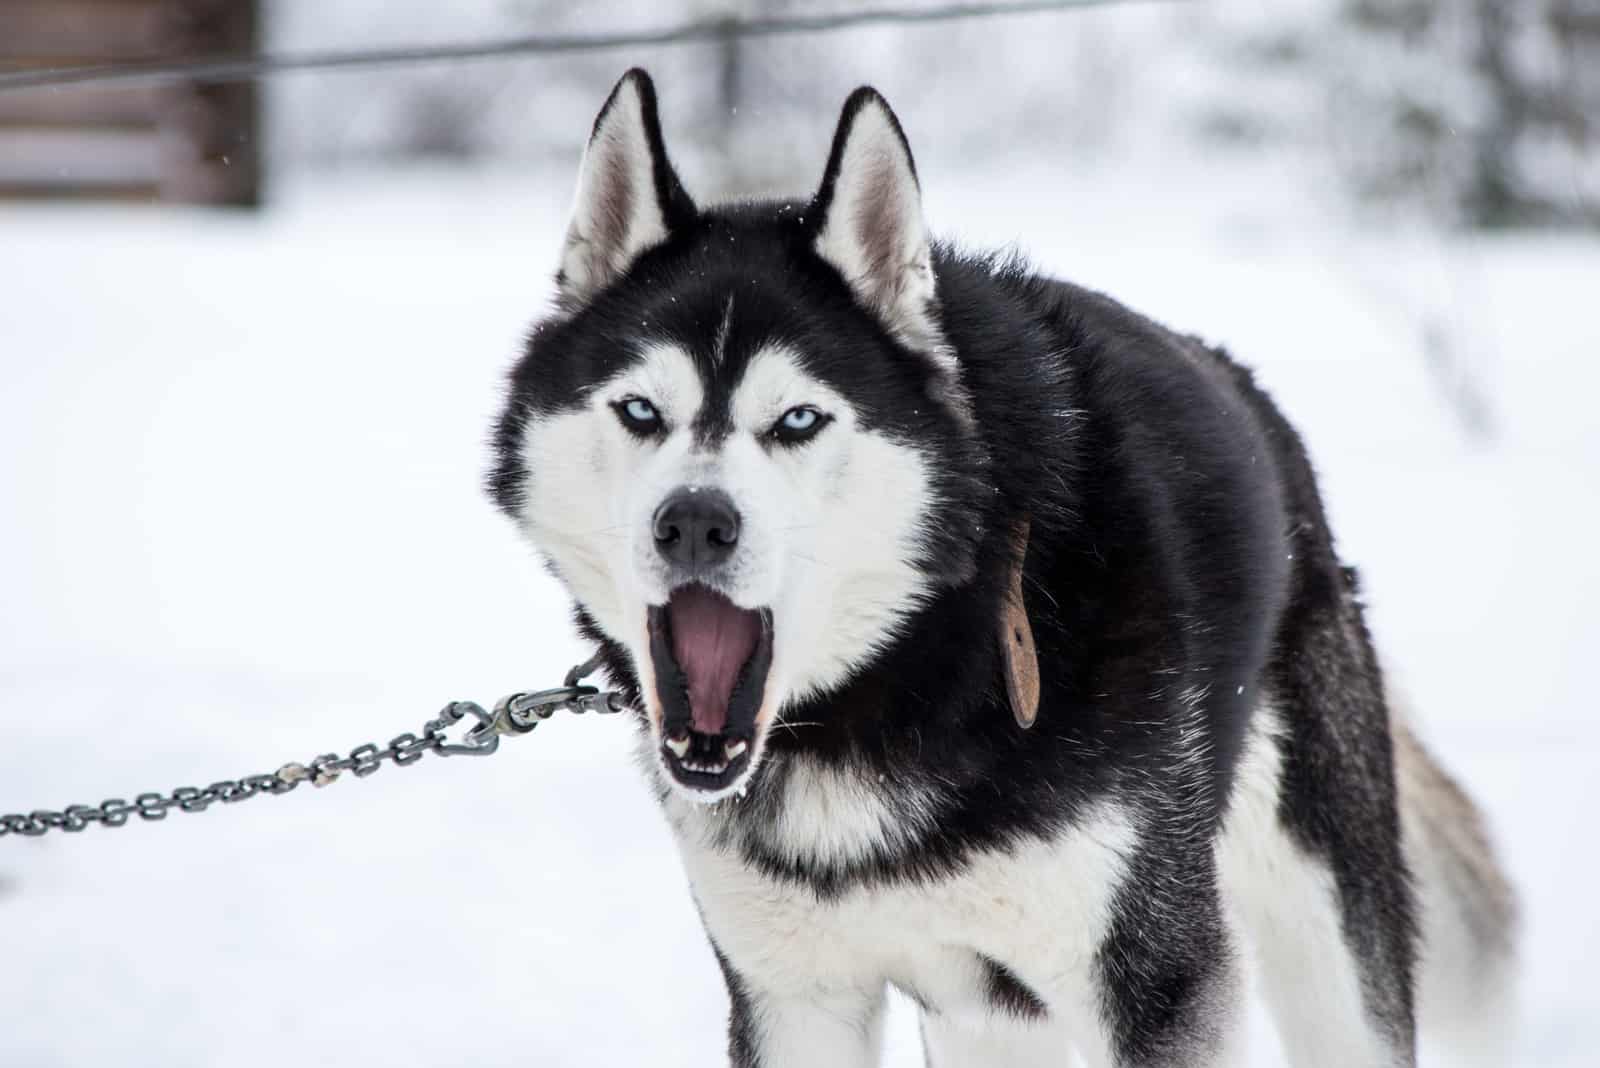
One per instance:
(481, 738)
(519, 713)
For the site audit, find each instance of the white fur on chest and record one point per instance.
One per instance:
(1039, 908)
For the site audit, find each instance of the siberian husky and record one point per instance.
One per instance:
(987, 639)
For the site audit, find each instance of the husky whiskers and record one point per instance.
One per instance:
(988, 641)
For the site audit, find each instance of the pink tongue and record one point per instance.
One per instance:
(711, 639)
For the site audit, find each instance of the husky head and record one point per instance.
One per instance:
(736, 440)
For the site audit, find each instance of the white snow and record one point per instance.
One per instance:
(240, 460)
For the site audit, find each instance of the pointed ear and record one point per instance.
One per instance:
(871, 228)
(629, 198)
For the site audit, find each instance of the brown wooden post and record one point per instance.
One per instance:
(211, 131)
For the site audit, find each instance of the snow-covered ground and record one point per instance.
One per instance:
(240, 459)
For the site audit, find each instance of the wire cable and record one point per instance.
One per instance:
(223, 68)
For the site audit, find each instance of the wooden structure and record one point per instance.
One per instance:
(192, 143)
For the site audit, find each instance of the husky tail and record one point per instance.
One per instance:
(1468, 910)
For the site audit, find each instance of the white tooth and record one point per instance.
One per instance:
(733, 750)
(679, 745)
(704, 769)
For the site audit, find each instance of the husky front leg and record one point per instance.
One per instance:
(1167, 982)
(835, 1029)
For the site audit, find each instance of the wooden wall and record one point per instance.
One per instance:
(192, 143)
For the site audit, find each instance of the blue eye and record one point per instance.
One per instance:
(638, 415)
(799, 424)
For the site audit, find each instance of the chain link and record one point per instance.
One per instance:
(517, 713)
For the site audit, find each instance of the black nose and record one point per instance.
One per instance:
(696, 527)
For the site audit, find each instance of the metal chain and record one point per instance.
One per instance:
(516, 713)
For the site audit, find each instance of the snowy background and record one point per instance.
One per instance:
(240, 459)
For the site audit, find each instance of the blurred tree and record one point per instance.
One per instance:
(1479, 104)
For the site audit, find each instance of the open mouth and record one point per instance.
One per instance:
(711, 659)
